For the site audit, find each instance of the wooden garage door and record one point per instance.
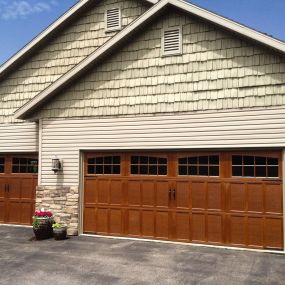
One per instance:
(18, 181)
(221, 198)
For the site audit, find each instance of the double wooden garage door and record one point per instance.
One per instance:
(18, 181)
(221, 198)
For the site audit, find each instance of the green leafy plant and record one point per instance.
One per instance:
(57, 226)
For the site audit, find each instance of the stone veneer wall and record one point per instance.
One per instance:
(63, 202)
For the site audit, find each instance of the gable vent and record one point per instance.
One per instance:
(171, 41)
(113, 19)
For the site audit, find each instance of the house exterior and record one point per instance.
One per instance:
(168, 121)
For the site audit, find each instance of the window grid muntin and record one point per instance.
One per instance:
(104, 165)
(250, 163)
(24, 165)
(148, 165)
(193, 165)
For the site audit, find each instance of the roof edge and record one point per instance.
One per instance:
(25, 110)
(230, 24)
(12, 61)
(64, 79)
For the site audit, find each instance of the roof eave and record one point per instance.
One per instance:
(230, 25)
(31, 46)
(28, 108)
(243, 31)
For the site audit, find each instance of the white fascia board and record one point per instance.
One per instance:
(20, 113)
(43, 35)
(229, 24)
(185, 6)
(46, 32)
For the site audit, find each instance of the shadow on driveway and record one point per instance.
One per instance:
(90, 260)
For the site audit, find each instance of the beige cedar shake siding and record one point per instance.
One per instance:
(216, 71)
(62, 53)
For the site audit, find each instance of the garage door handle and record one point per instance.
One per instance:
(169, 194)
(174, 194)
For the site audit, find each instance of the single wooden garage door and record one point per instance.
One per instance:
(18, 181)
(220, 198)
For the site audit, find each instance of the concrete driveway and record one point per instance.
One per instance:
(89, 260)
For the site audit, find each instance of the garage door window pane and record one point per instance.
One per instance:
(104, 165)
(199, 165)
(24, 165)
(214, 170)
(148, 165)
(273, 171)
(2, 164)
(254, 166)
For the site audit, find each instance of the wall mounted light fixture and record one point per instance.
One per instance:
(56, 165)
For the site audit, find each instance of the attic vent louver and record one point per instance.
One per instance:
(172, 41)
(113, 19)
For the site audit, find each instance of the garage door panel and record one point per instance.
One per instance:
(15, 188)
(89, 220)
(255, 231)
(26, 213)
(215, 229)
(2, 211)
(273, 198)
(198, 227)
(274, 233)
(102, 220)
(215, 196)
(27, 192)
(116, 221)
(2, 199)
(255, 197)
(162, 225)
(148, 223)
(182, 223)
(183, 194)
(116, 192)
(198, 195)
(14, 214)
(148, 193)
(237, 197)
(90, 190)
(103, 186)
(134, 222)
(237, 230)
(162, 194)
(134, 193)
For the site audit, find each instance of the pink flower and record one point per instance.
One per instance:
(43, 214)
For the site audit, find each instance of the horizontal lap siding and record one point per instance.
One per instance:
(66, 137)
(19, 137)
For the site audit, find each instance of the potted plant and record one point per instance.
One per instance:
(59, 231)
(42, 224)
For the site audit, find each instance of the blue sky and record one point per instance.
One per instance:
(21, 20)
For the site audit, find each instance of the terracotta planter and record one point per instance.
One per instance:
(43, 229)
(60, 233)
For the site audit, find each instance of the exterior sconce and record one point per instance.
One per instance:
(56, 165)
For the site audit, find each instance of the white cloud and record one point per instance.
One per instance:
(14, 9)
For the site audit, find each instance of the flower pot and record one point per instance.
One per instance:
(59, 233)
(43, 228)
